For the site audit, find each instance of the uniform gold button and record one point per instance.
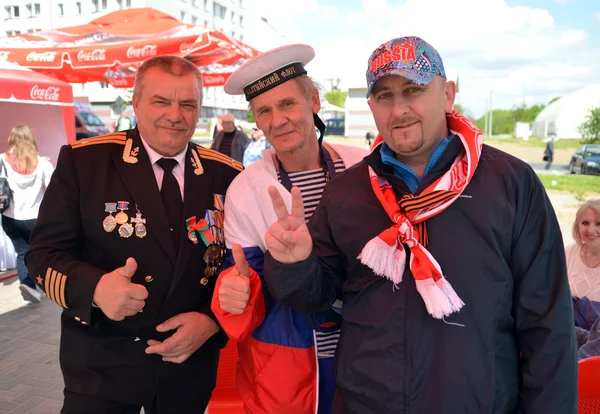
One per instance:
(149, 279)
(140, 310)
(137, 338)
(83, 322)
(78, 319)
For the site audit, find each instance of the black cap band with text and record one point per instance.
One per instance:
(274, 79)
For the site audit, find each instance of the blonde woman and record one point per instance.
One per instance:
(583, 257)
(28, 176)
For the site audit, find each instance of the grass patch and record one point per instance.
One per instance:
(579, 185)
(535, 142)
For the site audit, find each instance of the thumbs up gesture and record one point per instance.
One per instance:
(234, 291)
(116, 296)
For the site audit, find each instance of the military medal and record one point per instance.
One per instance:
(122, 217)
(140, 228)
(126, 230)
(109, 223)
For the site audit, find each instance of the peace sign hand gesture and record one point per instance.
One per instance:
(288, 238)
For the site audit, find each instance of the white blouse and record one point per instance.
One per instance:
(583, 280)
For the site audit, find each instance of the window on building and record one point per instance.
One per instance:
(205, 23)
(241, 21)
(206, 5)
(182, 19)
(194, 20)
(232, 16)
(61, 9)
(219, 11)
(13, 32)
(104, 85)
(241, 40)
(33, 30)
(33, 9)
(78, 8)
(233, 35)
(241, 3)
(128, 4)
(12, 12)
(104, 4)
(96, 5)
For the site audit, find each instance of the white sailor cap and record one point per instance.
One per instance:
(269, 69)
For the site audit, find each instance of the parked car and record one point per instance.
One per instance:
(87, 123)
(586, 160)
(335, 126)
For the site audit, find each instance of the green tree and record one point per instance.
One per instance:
(250, 117)
(337, 98)
(590, 128)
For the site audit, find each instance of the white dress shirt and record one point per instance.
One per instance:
(178, 170)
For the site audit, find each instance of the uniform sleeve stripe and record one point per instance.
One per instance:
(50, 284)
(96, 141)
(56, 287)
(61, 290)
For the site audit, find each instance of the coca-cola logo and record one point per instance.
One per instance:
(213, 79)
(4, 55)
(185, 47)
(95, 55)
(41, 57)
(51, 93)
(142, 52)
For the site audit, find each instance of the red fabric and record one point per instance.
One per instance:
(270, 378)
(24, 85)
(238, 327)
(111, 48)
(276, 379)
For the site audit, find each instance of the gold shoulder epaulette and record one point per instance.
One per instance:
(116, 138)
(209, 154)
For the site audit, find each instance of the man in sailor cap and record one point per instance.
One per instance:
(286, 357)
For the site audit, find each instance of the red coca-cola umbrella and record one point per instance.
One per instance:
(111, 47)
(18, 84)
(39, 101)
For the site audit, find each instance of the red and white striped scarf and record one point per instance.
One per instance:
(385, 255)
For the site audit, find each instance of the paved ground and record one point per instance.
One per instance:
(30, 378)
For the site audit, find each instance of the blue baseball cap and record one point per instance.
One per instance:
(410, 57)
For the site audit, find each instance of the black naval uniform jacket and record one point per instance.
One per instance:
(500, 247)
(70, 251)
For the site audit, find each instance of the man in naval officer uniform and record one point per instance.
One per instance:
(127, 241)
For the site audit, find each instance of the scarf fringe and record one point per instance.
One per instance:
(440, 299)
(383, 259)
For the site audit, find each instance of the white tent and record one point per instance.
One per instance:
(564, 116)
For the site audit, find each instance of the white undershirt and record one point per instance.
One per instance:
(583, 280)
(178, 170)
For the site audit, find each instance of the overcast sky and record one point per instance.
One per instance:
(526, 51)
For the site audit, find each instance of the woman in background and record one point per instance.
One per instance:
(28, 176)
(583, 257)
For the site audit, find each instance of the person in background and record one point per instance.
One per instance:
(231, 141)
(258, 143)
(583, 256)
(28, 176)
(549, 151)
(123, 122)
(370, 137)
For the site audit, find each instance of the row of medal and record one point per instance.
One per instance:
(126, 229)
(215, 251)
